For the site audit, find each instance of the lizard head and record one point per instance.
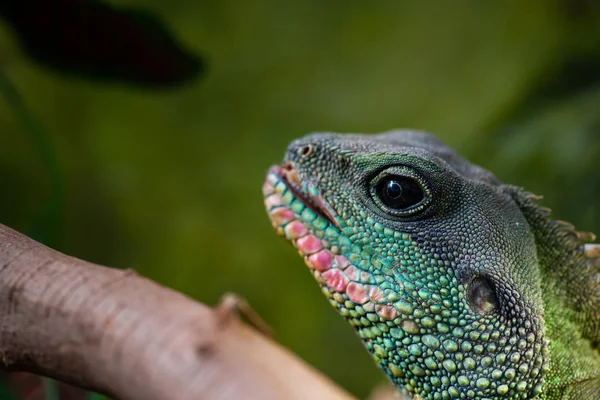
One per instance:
(426, 255)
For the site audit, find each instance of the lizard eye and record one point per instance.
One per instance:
(399, 194)
(481, 296)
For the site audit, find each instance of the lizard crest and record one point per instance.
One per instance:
(436, 264)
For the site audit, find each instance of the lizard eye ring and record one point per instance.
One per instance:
(400, 192)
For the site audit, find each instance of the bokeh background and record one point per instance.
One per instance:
(168, 182)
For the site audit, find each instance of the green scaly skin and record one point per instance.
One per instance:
(473, 292)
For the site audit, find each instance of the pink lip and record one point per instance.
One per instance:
(287, 174)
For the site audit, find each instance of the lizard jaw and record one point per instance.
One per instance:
(326, 250)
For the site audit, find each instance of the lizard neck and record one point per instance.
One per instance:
(570, 272)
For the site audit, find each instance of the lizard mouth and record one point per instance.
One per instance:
(286, 174)
(324, 250)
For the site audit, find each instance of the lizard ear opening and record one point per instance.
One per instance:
(481, 296)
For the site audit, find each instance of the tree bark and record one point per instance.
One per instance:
(118, 333)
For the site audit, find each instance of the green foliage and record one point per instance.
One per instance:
(169, 183)
(50, 389)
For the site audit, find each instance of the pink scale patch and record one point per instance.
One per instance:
(356, 293)
(335, 279)
(273, 200)
(386, 312)
(268, 186)
(280, 216)
(295, 229)
(365, 276)
(321, 261)
(375, 294)
(342, 262)
(309, 244)
(272, 178)
(351, 272)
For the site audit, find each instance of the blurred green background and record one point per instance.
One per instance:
(169, 182)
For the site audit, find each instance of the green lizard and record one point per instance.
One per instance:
(459, 285)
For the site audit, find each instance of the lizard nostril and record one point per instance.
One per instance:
(306, 150)
(289, 173)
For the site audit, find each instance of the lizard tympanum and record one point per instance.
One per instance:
(460, 286)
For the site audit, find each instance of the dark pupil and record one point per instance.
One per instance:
(399, 192)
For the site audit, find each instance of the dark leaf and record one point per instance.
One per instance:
(94, 40)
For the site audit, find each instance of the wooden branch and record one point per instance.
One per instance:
(115, 332)
(387, 392)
